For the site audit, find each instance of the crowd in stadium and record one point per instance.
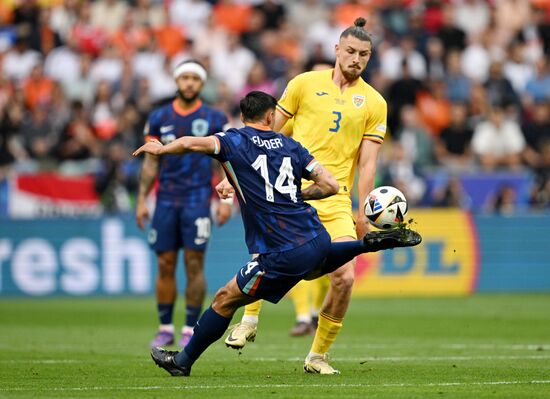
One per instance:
(467, 82)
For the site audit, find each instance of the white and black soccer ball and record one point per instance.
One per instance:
(385, 207)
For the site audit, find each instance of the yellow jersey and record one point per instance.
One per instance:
(332, 124)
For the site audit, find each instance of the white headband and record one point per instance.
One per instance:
(190, 67)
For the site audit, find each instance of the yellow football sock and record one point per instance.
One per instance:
(253, 309)
(328, 329)
(300, 295)
(319, 290)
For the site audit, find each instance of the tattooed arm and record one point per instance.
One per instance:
(147, 177)
(324, 184)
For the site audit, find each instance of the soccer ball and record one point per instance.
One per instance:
(385, 207)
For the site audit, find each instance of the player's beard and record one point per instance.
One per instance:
(351, 74)
(188, 99)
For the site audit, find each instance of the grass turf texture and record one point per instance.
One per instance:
(484, 346)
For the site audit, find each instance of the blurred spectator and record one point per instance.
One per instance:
(232, 15)
(498, 142)
(452, 37)
(82, 87)
(536, 132)
(395, 17)
(415, 139)
(304, 14)
(499, 88)
(536, 34)
(103, 115)
(37, 88)
(503, 202)
(257, 80)
(273, 12)
(160, 83)
(434, 109)
(275, 62)
(435, 59)
(19, 61)
(540, 197)
(63, 62)
(108, 66)
(324, 34)
(510, 17)
(77, 141)
(11, 116)
(108, 14)
(433, 17)
(516, 69)
(400, 173)
(458, 85)
(472, 16)
(38, 136)
(251, 38)
(452, 195)
(538, 87)
(63, 17)
(391, 60)
(233, 63)
(130, 36)
(192, 15)
(453, 146)
(400, 93)
(476, 58)
(150, 14)
(348, 10)
(113, 183)
(89, 38)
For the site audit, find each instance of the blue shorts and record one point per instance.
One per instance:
(270, 276)
(177, 226)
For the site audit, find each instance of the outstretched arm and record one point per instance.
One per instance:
(147, 177)
(206, 145)
(324, 185)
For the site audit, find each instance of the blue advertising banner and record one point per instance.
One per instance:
(107, 256)
(460, 254)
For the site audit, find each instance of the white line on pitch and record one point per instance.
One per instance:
(336, 359)
(261, 386)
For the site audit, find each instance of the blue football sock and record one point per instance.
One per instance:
(165, 311)
(208, 330)
(341, 253)
(192, 314)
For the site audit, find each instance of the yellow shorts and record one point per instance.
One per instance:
(336, 215)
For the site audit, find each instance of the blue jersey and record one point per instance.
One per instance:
(184, 178)
(266, 169)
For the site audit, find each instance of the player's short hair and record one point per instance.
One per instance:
(255, 104)
(358, 30)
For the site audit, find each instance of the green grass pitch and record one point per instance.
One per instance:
(484, 346)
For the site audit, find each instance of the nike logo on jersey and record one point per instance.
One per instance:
(164, 129)
(322, 93)
(200, 241)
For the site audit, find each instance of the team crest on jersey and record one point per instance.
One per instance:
(199, 127)
(358, 100)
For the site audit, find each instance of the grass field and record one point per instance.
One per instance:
(485, 346)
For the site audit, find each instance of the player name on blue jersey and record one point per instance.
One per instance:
(266, 169)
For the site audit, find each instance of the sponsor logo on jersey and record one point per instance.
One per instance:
(358, 100)
(200, 241)
(166, 129)
(321, 93)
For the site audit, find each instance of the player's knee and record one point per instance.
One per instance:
(343, 281)
(166, 268)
